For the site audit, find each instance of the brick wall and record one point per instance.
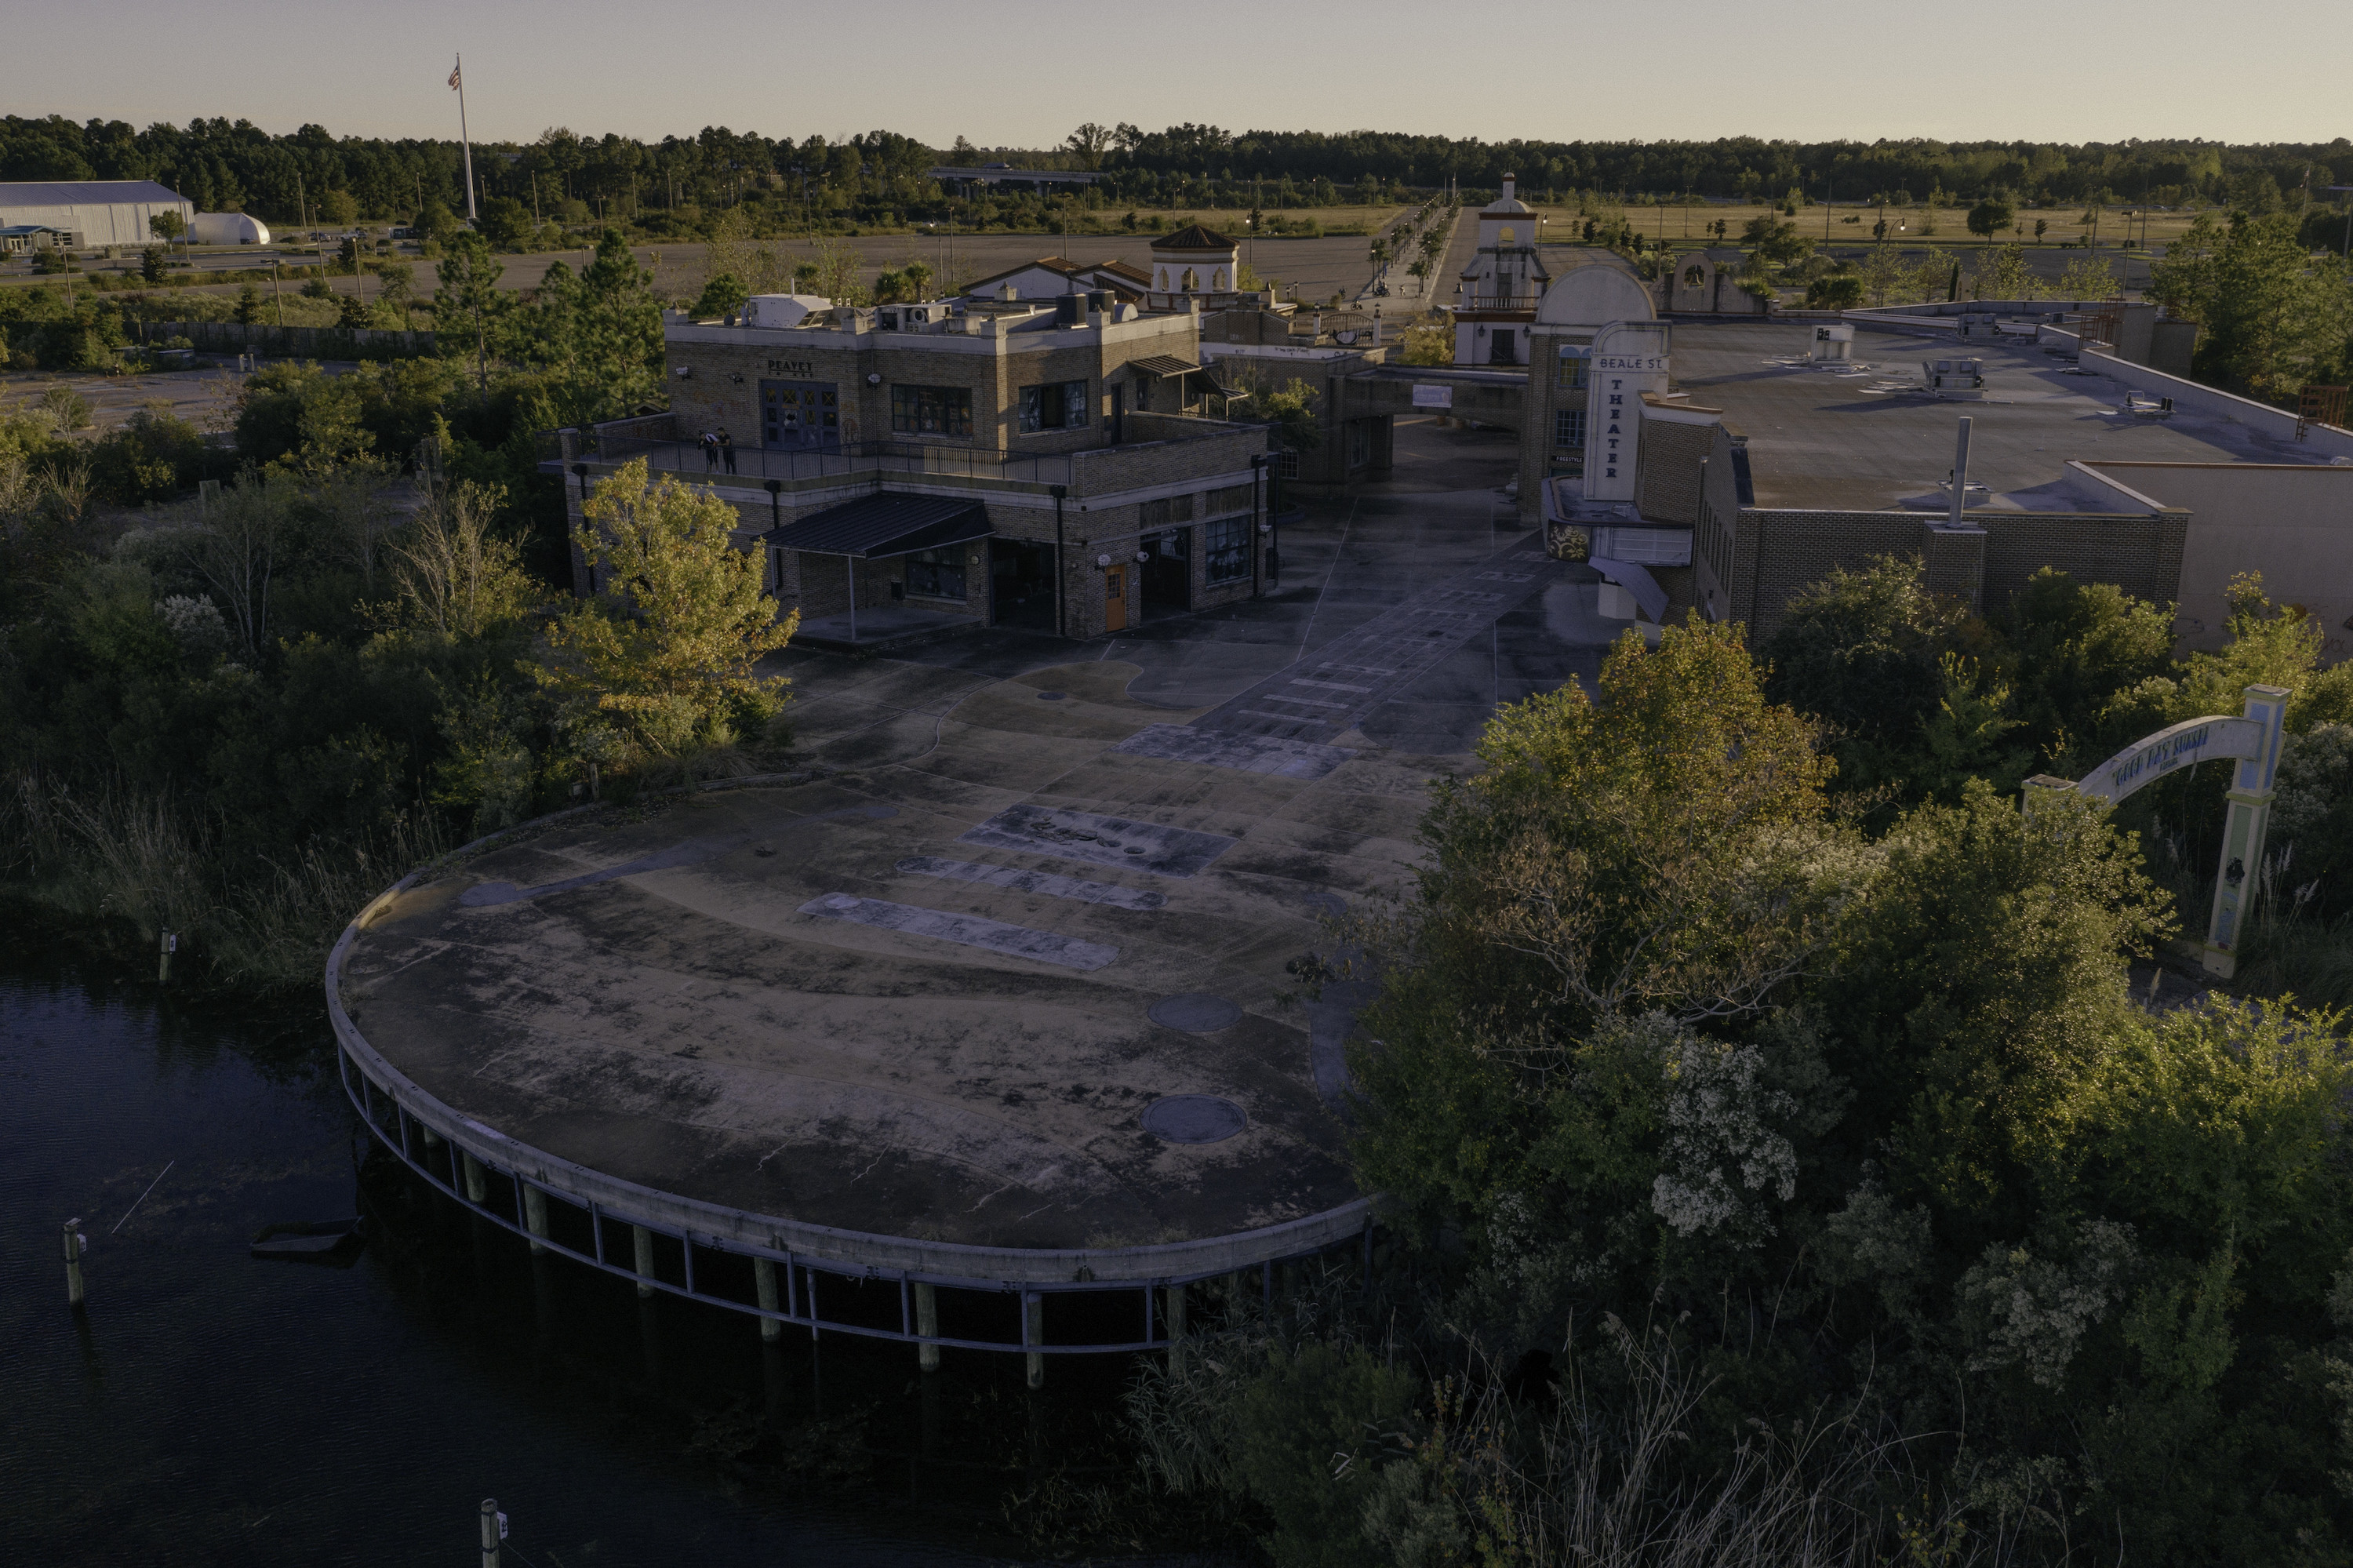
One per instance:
(1775, 553)
(1667, 485)
(2139, 552)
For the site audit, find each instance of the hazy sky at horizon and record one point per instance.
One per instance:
(1809, 71)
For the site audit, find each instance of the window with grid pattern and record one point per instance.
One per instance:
(1228, 547)
(931, 410)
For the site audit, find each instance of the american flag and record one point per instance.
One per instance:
(453, 78)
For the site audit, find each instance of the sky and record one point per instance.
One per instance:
(1801, 69)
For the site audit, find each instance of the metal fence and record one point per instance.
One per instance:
(789, 464)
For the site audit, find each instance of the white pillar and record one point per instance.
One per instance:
(2242, 869)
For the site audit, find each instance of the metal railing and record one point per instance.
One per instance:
(454, 1154)
(843, 462)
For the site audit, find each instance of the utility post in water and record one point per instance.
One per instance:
(75, 1243)
(494, 1525)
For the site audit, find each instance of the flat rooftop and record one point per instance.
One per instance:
(1867, 437)
(1022, 984)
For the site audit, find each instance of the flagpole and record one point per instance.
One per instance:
(465, 141)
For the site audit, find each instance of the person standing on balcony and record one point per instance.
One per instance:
(710, 443)
(727, 448)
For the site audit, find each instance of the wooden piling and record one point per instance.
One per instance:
(643, 1240)
(489, 1532)
(927, 1323)
(476, 1190)
(74, 1292)
(535, 1217)
(764, 1276)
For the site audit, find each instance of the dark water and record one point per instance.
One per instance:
(209, 1407)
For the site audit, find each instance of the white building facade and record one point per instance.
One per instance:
(1497, 293)
(92, 212)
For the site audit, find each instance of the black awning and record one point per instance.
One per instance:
(1163, 365)
(884, 524)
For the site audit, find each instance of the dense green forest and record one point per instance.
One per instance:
(1784, 1166)
(1783, 1161)
(880, 176)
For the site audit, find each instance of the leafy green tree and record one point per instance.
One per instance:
(2070, 648)
(248, 305)
(455, 577)
(167, 226)
(665, 650)
(1843, 292)
(595, 338)
(1291, 409)
(720, 296)
(507, 224)
(2272, 317)
(468, 300)
(1991, 216)
(434, 222)
(151, 264)
(1864, 650)
(1619, 871)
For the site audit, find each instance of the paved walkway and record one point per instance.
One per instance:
(1353, 573)
(1340, 687)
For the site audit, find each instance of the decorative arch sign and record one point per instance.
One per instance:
(2252, 743)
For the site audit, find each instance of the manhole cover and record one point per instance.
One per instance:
(1194, 1119)
(1049, 696)
(1195, 1011)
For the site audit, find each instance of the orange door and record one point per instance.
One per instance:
(1116, 599)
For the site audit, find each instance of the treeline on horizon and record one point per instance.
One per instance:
(223, 164)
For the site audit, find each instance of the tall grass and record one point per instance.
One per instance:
(144, 865)
(1598, 1469)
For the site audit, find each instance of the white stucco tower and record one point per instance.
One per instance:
(1194, 264)
(1497, 293)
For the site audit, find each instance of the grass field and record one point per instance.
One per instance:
(1693, 225)
(1236, 221)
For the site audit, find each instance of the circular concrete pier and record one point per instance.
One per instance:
(905, 1049)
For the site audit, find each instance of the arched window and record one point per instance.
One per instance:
(1510, 236)
(1192, 281)
(1694, 277)
(1163, 284)
(1218, 281)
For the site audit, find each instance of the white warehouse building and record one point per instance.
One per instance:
(92, 212)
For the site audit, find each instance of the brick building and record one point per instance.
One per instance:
(1033, 467)
(1758, 468)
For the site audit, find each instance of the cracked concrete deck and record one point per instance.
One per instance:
(685, 1024)
(656, 999)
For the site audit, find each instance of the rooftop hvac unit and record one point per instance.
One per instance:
(1834, 342)
(776, 312)
(1963, 378)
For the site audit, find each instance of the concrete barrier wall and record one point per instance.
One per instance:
(2280, 424)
